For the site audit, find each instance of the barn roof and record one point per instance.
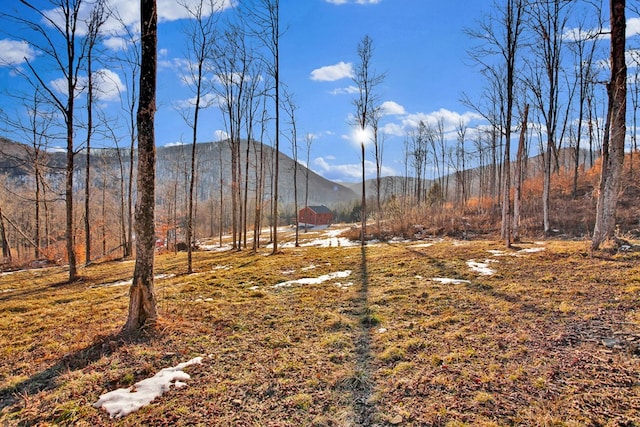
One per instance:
(320, 209)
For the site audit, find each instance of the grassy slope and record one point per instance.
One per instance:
(521, 347)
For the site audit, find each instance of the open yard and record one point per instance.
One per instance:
(429, 333)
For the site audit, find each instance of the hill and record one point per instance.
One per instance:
(173, 163)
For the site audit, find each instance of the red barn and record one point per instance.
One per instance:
(315, 215)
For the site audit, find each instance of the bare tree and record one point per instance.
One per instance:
(548, 22)
(500, 36)
(418, 152)
(200, 44)
(614, 140)
(308, 141)
(583, 47)
(264, 16)
(461, 172)
(58, 38)
(375, 115)
(290, 109)
(97, 18)
(142, 300)
(517, 198)
(366, 80)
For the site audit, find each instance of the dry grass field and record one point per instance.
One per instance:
(430, 333)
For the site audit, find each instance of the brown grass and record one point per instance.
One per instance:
(552, 339)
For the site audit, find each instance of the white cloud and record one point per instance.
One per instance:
(174, 144)
(128, 13)
(394, 129)
(347, 171)
(391, 108)
(107, 85)
(575, 34)
(633, 27)
(15, 52)
(220, 135)
(116, 43)
(331, 73)
(206, 100)
(349, 90)
(450, 118)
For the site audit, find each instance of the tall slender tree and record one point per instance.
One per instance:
(200, 46)
(264, 16)
(614, 140)
(366, 80)
(58, 37)
(97, 18)
(142, 300)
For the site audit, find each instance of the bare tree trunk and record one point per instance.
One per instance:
(519, 176)
(142, 300)
(613, 152)
(6, 249)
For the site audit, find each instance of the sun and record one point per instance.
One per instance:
(362, 136)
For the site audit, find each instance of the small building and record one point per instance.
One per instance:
(315, 215)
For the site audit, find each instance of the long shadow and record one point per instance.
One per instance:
(46, 380)
(361, 383)
(481, 288)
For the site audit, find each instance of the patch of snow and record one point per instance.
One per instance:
(123, 401)
(254, 288)
(7, 273)
(311, 267)
(130, 281)
(113, 284)
(215, 248)
(331, 242)
(222, 267)
(422, 245)
(7, 290)
(530, 250)
(497, 252)
(481, 268)
(448, 281)
(314, 280)
(382, 330)
(344, 285)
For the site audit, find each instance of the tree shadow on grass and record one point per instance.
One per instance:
(361, 382)
(46, 380)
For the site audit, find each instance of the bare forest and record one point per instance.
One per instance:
(550, 179)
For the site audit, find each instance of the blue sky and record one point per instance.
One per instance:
(420, 45)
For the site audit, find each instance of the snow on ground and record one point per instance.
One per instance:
(130, 281)
(448, 281)
(344, 285)
(314, 280)
(123, 401)
(530, 250)
(481, 268)
(215, 247)
(422, 245)
(497, 252)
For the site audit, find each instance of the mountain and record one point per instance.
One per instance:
(172, 170)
